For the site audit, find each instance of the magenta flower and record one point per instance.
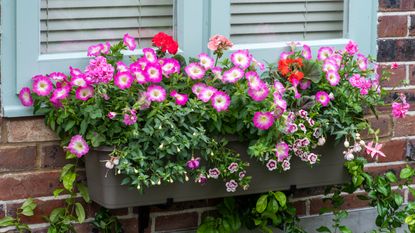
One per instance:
(285, 55)
(74, 72)
(362, 62)
(214, 173)
(79, 81)
(259, 94)
(153, 73)
(279, 87)
(206, 61)
(217, 71)
(181, 99)
(105, 47)
(305, 84)
(280, 102)
(260, 65)
(129, 41)
(232, 75)
(291, 128)
(233, 167)
(78, 146)
(150, 55)
(399, 110)
(42, 86)
(201, 179)
(84, 93)
(193, 163)
(111, 115)
(25, 97)
(206, 93)
(98, 71)
(241, 59)
(197, 88)
(324, 53)
(195, 71)
(122, 67)
(271, 165)
(130, 119)
(330, 65)
(323, 98)
(374, 150)
(263, 120)
(94, 50)
(281, 151)
(306, 52)
(351, 48)
(253, 79)
(170, 66)
(123, 80)
(57, 76)
(220, 101)
(333, 77)
(231, 186)
(156, 93)
(394, 66)
(140, 76)
(60, 93)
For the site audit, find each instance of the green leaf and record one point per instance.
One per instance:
(67, 168)
(282, 199)
(323, 229)
(56, 192)
(56, 214)
(69, 125)
(28, 203)
(272, 206)
(7, 221)
(391, 177)
(406, 173)
(83, 190)
(261, 204)
(68, 181)
(27, 212)
(344, 229)
(80, 212)
(398, 199)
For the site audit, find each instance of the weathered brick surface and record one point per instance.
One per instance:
(392, 26)
(396, 50)
(412, 25)
(300, 206)
(52, 156)
(351, 202)
(396, 5)
(2, 213)
(176, 222)
(404, 126)
(43, 208)
(397, 75)
(383, 123)
(394, 150)
(15, 158)
(411, 74)
(29, 130)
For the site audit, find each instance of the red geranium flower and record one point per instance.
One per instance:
(165, 42)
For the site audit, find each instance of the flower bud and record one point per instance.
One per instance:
(346, 143)
(321, 141)
(109, 165)
(349, 156)
(116, 161)
(161, 146)
(362, 143)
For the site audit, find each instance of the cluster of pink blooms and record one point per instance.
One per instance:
(400, 109)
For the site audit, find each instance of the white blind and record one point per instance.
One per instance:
(73, 25)
(257, 21)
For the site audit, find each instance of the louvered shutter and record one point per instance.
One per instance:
(71, 26)
(258, 21)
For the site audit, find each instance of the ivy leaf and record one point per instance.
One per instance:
(261, 204)
(80, 212)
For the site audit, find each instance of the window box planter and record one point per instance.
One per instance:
(105, 187)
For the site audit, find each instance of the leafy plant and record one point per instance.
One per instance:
(229, 220)
(104, 222)
(26, 209)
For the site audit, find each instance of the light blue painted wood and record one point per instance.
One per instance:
(220, 17)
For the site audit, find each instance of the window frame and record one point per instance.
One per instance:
(194, 22)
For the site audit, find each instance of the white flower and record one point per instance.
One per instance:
(349, 156)
(346, 143)
(321, 141)
(109, 165)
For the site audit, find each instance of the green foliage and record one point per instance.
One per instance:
(27, 209)
(104, 222)
(228, 221)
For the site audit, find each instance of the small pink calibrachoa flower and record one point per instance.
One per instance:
(233, 167)
(263, 120)
(79, 82)
(232, 75)
(231, 186)
(84, 93)
(259, 94)
(271, 165)
(111, 115)
(156, 93)
(78, 146)
(150, 55)
(193, 163)
(25, 97)
(197, 88)
(333, 77)
(286, 165)
(153, 73)
(42, 86)
(139, 76)
(221, 101)
(351, 48)
(206, 61)
(123, 80)
(195, 71)
(57, 76)
(323, 98)
(206, 93)
(241, 59)
(312, 158)
(129, 41)
(291, 128)
(306, 52)
(324, 53)
(214, 173)
(281, 151)
(94, 50)
(130, 119)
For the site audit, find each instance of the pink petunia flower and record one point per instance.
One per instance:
(129, 41)
(170, 66)
(193, 163)
(221, 101)
(271, 165)
(78, 146)
(150, 55)
(217, 72)
(232, 75)
(94, 50)
(254, 81)
(374, 150)
(330, 65)
(181, 99)
(42, 86)
(231, 186)
(306, 52)
(280, 102)
(25, 97)
(60, 93)
(57, 76)
(281, 151)
(259, 94)
(263, 120)
(305, 84)
(362, 62)
(323, 98)
(105, 47)
(241, 59)
(156, 93)
(206, 61)
(122, 67)
(195, 71)
(111, 115)
(206, 93)
(79, 81)
(74, 72)
(84, 93)
(285, 55)
(351, 48)
(333, 77)
(123, 80)
(324, 53)
(214, 173)
(153, 73)
(130, 119)
(279, 87)
(197, 88)
(140, 76)
(260, 65)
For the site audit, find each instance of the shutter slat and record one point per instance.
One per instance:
(72, 26)
(256, 21)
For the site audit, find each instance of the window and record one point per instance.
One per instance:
(41, 36)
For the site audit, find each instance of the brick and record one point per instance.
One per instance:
(176, 222)
(306, 192)
(396, 50)
(300, 207)
(351, 201)
(15, 158)
(83, 228)
(412, 25)
(383, 123)
(382, 169)
(52, 156)
(19, 186)
(396, 5)
(29, 130)
(2, 213)
(404, 126)
(397, 75)
(43, 208)
(131, 225)
(411, 74)
(93, 207)
(392, 26)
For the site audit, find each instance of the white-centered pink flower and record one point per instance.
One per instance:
(195, 71)
(271, 165)
(259, 94)
(129, 41)
(123, 80)
(232, 75)
(241, 59)
(197, 88)
(84, 93)
(25, 97)
(306, 52)
(323, 98)
(57, 76)
(150, 55)
(206, 93)
(221, 101)
(263, 120)
(206, 61)
(281, 151)
(153, 73)
(324, 53)
(156, 93)
(333, 77)
(42, 86)
(78, 146)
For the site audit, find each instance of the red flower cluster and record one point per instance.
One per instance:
(165, 42)
(290, 68)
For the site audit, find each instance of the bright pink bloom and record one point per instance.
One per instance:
(279, 87)
(259, 94)
(111, 115)
(280, 102)
(60, 93)
(362, 62)
(98, 71)
(324, 53)
(374, 150)
(206, 61)
(139, 76)
(220, 101)
(351, 48)
(263, 120)
(285, 55)
(129, 41)
(333, 77)
(257, 63)
(323, 98)
(394, 66)
(241, 59)
(74, 72)
(330, 65)
(42, 86)
(78, 146)
(150, 55)
(105, 47)
(122, 67)
(57, 76)
(123, 80)
(305, 84)
(195, 71)
(197, 88)
(253, 79)
(153, 73)
(206, 93)
(181, 99)
(25, 97)
(94, 50)
(170, 66)
(130, 119)
(193, 163)
(232, 75)
(156, 93)
(271, 165)
(217, 71)
(217, 42)
(281, 151)
(84, 93)
(79, 81)
(399, 110)
(306, 52)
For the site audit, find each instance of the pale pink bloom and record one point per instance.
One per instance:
(257, 63)
(193, 163)
(285, 55)
(156, 93)
(279, 87)
(84, 93)
(242, 174)
(153, 73)
(337, 58)
(217, 71)
(281, 151)
(291, 128)
(221, 101)
(79, 81)
(214, 173)
(233, 167)
(232, 75)
(25, 97)
(323, 98)
(312, 158)
(60, 93)
(150, 55)
(129, 41)
(42, 86)
(123, 80)
(351, 48)
(74, 72)
(111, 115)
(259, 94)
(206, 94)
(362, 62)
(286, 165)
(122, 67)
(57, 76)
(333, 77)
(94, 50)
(195, 71)
(303, 113)
(280, 102)
(271, 165)
(330, 65)
(263, 120)
(78, 146)
(241, 59)
(254, 81)
(105, 47)
(374, 150)
(306, 52)
(231, 186)
(197, 88)
(219, 42)
(324, 53)
(170, 66)
(206, 61)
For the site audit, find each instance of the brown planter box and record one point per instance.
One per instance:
(107, 191)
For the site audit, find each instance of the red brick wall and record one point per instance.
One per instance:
(30, 157)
